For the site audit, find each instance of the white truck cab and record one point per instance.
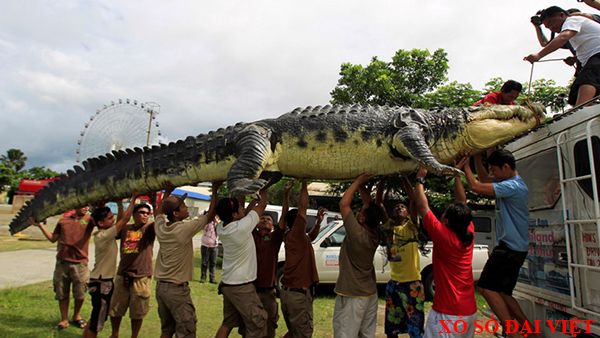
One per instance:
(327, 252)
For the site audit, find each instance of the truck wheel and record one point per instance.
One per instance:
(428, 283)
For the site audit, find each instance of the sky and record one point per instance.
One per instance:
(210, 64)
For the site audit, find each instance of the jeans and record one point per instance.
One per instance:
(209, 261)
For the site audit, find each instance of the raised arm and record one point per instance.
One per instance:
(125, 215)
(120, 209)
(315, 230)
(52, 237)
(482, 173)
(158, 206)
(412, 208)
(379, 200)
(346, 201)
(593, 3)
(459, 189)
(475, 185)
(303, 199)
(285, 205)
(262, 203)
(251, 206)
(214, 196)
(540, 35)
(421, 203)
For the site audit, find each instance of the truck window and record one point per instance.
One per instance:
(540, 172)
(482, 224)
(337, 237)
(582, 163)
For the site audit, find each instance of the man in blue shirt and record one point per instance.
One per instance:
(501, 271)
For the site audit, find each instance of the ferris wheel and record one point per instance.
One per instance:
(119, 125)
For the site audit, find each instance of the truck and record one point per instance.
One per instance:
(560, 279)
(327, 247)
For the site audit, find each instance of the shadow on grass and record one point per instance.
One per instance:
(17, 326)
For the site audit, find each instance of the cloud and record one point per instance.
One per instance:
(211, 64)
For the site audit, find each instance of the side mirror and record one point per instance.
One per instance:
(326, 243)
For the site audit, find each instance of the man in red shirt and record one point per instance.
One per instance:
(507, 95)
(73, 235)
(454, 298)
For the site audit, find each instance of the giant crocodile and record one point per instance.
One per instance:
(330, 142)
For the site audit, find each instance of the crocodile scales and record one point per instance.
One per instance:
(330, 142)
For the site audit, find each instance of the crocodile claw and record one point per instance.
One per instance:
(246, 186)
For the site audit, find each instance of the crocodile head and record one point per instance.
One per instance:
(435, 139)
(491, 125)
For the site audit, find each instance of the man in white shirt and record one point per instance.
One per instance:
(584, 36)
(241, 304)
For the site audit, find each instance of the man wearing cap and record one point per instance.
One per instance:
(134, 275)
(241, 304)
(174, 263)
(584, 36)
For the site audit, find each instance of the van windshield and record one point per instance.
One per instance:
(324, 230)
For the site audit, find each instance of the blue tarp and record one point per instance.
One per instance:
(191, 194)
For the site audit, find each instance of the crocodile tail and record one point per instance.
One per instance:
(118, 174)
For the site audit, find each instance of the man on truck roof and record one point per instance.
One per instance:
(584, 36)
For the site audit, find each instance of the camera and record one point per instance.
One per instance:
(536, 20)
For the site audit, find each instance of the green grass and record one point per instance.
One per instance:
(12, 243)
(31, 311)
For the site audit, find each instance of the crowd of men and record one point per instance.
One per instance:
(251, 242)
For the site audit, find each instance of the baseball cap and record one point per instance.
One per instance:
(172, 203)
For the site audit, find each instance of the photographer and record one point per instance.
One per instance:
(584, 34)
(536, 20)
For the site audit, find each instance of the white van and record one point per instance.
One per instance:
(311, 216)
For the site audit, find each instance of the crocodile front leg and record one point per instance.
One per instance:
(253, 148)
(411, 139)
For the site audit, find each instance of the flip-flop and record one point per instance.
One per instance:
(60, 326)
(81, 323)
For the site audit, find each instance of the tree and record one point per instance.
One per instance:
(14, 159)
(549, 94)
(453, 94)
(400, 82)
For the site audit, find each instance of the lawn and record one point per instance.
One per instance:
(31, 311)
(12, 243)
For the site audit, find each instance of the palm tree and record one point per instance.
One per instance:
(14, 159)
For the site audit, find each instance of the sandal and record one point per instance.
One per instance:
(60, 327)
(81, 323)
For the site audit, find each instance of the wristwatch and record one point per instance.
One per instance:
(420, 180)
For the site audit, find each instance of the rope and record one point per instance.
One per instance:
(531, 72)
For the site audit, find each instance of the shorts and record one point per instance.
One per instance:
(297, 310)
(589, 75)
(355, 316)
(465, 325)
(404, 303)
(501, 270)
(241, 306)
(176, 310)
(101, 291)
(65, 274)
(269, 301)
(135, 297)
